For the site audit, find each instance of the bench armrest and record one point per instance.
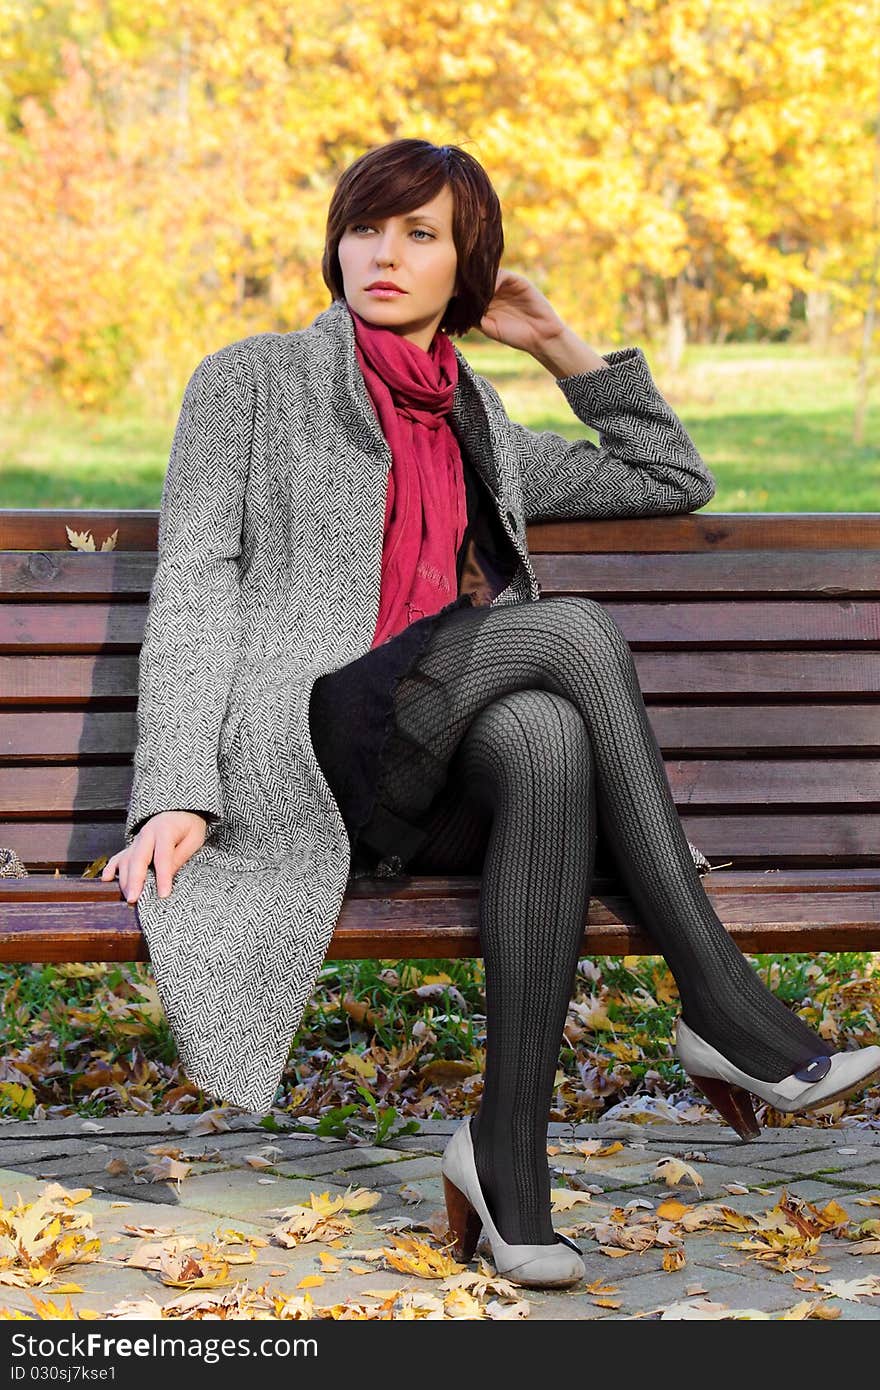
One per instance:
(645, 463)
(193, 626)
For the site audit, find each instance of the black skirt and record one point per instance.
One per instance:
(351, 715)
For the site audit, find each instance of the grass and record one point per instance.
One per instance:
(774, 423)
(386, 1043)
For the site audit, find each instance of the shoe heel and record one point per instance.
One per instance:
(732, 1102)
(464, 1222)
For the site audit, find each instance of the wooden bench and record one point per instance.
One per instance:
(757, 644)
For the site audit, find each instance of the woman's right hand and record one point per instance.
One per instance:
(167, 840)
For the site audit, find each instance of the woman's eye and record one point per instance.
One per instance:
(358, 226)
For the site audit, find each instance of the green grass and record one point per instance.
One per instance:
(773, 422)
(384, 1043)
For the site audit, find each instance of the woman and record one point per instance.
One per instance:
(453, 724)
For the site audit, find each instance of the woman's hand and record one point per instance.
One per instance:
(166, 840)
(519, 315)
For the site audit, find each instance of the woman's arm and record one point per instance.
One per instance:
(192, 631)
(645, 463)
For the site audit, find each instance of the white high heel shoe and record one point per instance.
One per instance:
(534, 1266)
(817, 1082)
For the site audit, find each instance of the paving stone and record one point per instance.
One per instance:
(416, 1143)
(15, 1153)
(868, 1175)
(735, 1289)
(827, 1160)
(439, 1126)
(238, 1193)
(406, 1170)
(346, 1160)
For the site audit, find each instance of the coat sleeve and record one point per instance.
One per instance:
(645, 463)
(192, 629)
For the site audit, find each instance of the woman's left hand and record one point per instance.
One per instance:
(519, 315)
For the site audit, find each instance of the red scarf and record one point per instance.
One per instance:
(426, 504)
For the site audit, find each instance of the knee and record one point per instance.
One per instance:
(594, 628)
(529, 736)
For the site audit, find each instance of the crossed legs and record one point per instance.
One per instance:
(534, 712)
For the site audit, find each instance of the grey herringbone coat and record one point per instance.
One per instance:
(269, 561)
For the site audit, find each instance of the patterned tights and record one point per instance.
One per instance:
(532, 719)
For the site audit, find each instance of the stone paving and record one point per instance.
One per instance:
(239, 1172)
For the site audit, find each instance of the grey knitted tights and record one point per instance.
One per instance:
(532, 719)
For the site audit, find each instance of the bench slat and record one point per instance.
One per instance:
(48, 681)
(381, 924)
(44, 528)
(74, 628)
(695, 782)
(55, 736)
(127, 575)
(783, 838)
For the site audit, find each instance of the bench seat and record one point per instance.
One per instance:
(756, 638)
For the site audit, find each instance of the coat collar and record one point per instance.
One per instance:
(333, 339)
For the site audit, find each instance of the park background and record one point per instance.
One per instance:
(701, 179)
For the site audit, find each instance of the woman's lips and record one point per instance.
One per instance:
(386, 294)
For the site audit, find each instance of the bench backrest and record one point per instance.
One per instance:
(756, 638)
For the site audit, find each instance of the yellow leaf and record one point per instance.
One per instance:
(361, 1066)
(671, 1209)
(674, 1170)
(563, 1198)
(311, 1281)
(22, 1097)
(363, 1199)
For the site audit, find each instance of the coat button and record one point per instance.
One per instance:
(512, 519)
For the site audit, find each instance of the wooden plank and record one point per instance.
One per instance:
(709, 531)
(57, 736)
(48, 682)
(390, 927)
(70, 576)
(696, 783)
(822, 878)
(775, 574)
(74, 628)
(76, 574)
(786, 838)
(44, 529)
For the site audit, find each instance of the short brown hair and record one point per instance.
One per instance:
(402, 175)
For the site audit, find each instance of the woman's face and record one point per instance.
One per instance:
(413, 250)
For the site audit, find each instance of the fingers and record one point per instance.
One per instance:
(166, 854)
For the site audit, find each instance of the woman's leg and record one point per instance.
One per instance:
(572, 647)
(522, 813)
